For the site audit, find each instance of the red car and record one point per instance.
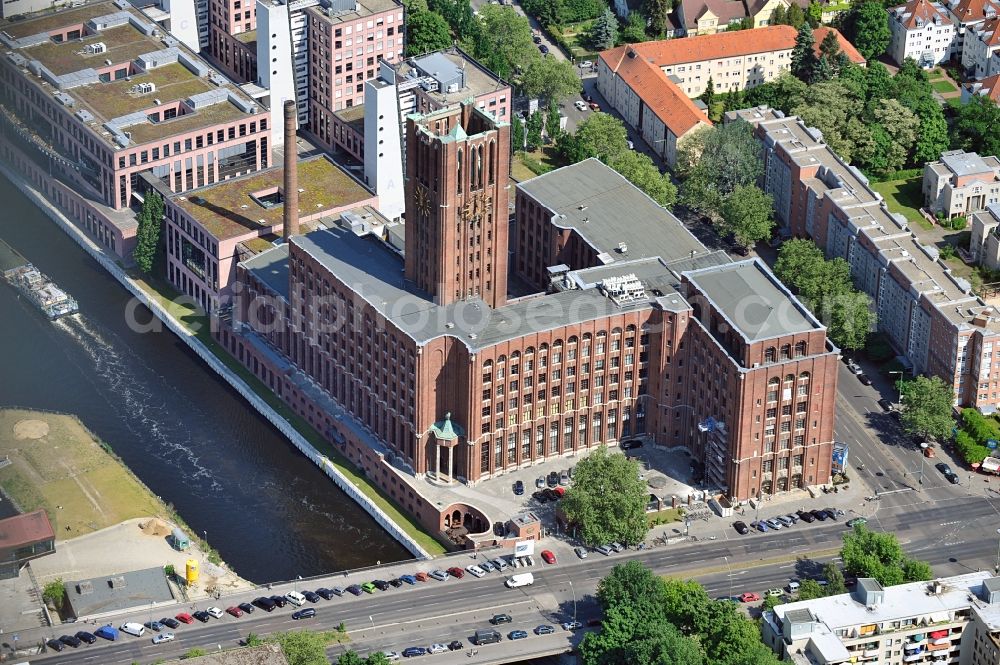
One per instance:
(235, 611)
(422, 576)
(594, 106)
(548, 556)
(749, 597)
(184, 617)
(457, 572)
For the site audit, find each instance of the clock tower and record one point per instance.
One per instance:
(457, 167)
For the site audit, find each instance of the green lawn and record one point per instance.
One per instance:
(943, 86)
(198, 324)
(904, 196)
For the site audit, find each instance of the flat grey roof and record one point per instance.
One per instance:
(136, 588)
(367, 266)
(440, 64)
(753, 300)
(271, 267)
(964, 163)
(606, 209)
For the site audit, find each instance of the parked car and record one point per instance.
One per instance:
(594, 106)
(792, 518)
(519, 488)
(603, 549)
(540, 496)
(488, 566)
(455, 571)
(854, 367)
(885, 404)
(396, 583)
(355, 590)
(543, 48)
(537, 39)
(793, 585)
(864, 379)
(170, 623)
(774, 524)
(184, 617)
(311, 596)
(629, 444)
(540, 482)
(548, 556)
(760, 526)
(163, 637)
(391, 656)
(215, 612)
(437, 647)
(806, 516)
(581, 552)
(246, 607)
(552, 479)
(952, 478)
(439, 575)
(820, 515)
(153, 626)
(410, 652)
(617, 547)
(500, 564)
(324, 593)
(564, 478)
(55, 645)
(580, 105)
(71, 640)
(306, 613)
(929, 451)
(856, 520)
(943, 468)
(234, 611)
(421, 576)
(586, 64)
(749, 597)
(517, 635)
(498, 619)
(369, 587)
(475, 571)
(774, 592)
(84, 636)
(409, 579)
(202, 616)
(741, 528)
(280, 601)
(571, 625)
(833, 513)
(337, 591)
(544, 629)
(456, 645)
(381, 585)
(785, 521)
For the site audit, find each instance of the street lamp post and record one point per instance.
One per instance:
(726, 558)
(899, 388)
(574, 590)
(996, 568)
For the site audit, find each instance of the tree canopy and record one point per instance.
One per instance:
(502, 41)
(715, 161)
(651, 621)
(868, 553)
(607, 501)
(147, 242)
(550, 79)
(977, 126)
(805, 64)
(868, 29)
(426, 31)
(747, 215)
(926, 404)
(603, 34)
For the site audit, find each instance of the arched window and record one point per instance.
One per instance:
(773, 381)
(800, 349)
(789, 378)
(786, 351)
(458, 169)
(479, 167)
(493, 160)
(630, 329)
(572, 340)
(587, 337)
(804, 377)
(770, 355)
(530, 351)
(543, 347)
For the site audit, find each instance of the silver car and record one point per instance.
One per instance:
(580, 552)
(439, 575)
(500, 564)
(604, 549)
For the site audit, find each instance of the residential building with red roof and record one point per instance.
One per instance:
(923, 31)
(988, 87)
(652, 84)
(982, 48)
(707, 17)
(966, 15)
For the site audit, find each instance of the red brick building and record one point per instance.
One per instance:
(424, 367)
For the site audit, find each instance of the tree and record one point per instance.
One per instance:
(835, 583)
(709, 95)
(635, 29)
(926, 404)
(603, 136)
(553, 120)
(655, 12)
(426, 31)
(535, 124)
(810, 589)
(778, 16)
(830, 56)
(414, 6)
(747, 215)
(866, 553)
(550, 80)
(977, 127)
(304, 647)
(196, 652)
(350, 658)
(794, 15)
(517, 133)
(805, 64)
(607, 501)
(603, 33)
(850, 319)
(868, 28)
(639, 169)
(783, 93)
(147, 242)
(503, 41)
(253, 640)
(457, 13)
(894, 133)
(717, 160)
(632, 583)
(814, 14)
(54, 593)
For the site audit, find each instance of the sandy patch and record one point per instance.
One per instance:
(30, 429)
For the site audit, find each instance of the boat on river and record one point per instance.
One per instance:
(32, 283)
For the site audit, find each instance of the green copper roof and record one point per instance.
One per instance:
(444, 430)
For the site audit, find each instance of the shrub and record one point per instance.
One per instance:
(54, 593)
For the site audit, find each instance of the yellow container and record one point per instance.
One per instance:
(192, 572)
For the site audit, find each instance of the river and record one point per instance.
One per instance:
(270, 512)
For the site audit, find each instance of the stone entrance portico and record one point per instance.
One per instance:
(446, 435)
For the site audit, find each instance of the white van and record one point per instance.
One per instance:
(524, 579)
(133, 628)
(295, 598)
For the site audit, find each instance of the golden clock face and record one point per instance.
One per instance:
(476, 205)
(422, 201)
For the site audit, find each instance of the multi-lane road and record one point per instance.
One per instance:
(955, 535)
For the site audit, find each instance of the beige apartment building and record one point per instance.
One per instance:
(961, 183)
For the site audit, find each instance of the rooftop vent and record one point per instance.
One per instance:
(622, 248)
(117, 582)
(85, 588)
(96, 47)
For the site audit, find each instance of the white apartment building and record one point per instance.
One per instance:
(967, 15)
(923, 31)
(961, 183)
(982, 48)
(984, 245)
(950, 620)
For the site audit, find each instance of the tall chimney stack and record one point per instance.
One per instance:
(290, 220)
